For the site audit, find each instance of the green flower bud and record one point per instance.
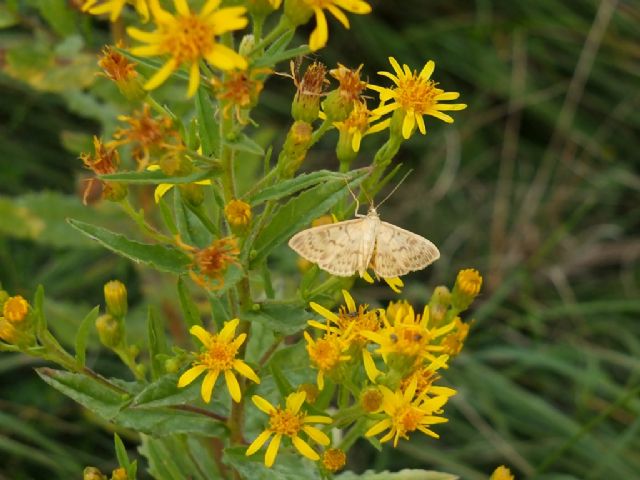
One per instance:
(115, 297)
(114, 191)
(92, 473)
(110, 330)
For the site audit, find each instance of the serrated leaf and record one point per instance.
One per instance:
(289, 187)
(288, 466)
(160, 257)
(83, 333)
(189, 307)
(96, 396)
(164, 421)
(157, 339)
(406, 474)
(154, 177)
(243, 143)
(281, 318)
(208, 129)
(301, 210)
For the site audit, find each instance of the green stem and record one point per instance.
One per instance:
(282, 27)
(319, 133)
(352, 435)
(138, 218)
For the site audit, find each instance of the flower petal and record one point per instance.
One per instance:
(320, 34)
(258, 442)
(317, 419)
(161, 75)
(339, 14)
(233, 386)
(201, 334)
(161, 190)
(328, 314)
(295, 401)
(229, 329)
(378, 427)
(351, 304)
(272, 450)
(408, 124)
(190, 375)
(317, 435)
(207, 385)
(263, 404)
(245, 370)
(427, 70)
(304, 448)
(194, 79)
(225, 58)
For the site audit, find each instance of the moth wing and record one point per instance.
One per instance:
(336, 248)
(399, 251)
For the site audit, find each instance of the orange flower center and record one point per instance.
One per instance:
(407, 419)
(188, 39)
(219, 355)
(416, 94)
(285, 422)
(325, 354)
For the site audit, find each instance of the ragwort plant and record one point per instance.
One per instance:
(332, 370)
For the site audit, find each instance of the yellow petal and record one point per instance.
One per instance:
(207, 385)
(427, 70)
(229, 329)
(329, 315)
(450, 106)
(447, 96)
(263, 404)
(245, 370)
(161, 75)
(340, 16)
(182, 7)
(225, 58)
(194, 79)
(295, 401)
(317, 435)
(258, 442)
(320, 34)
(317, 419)
(233, 386)
(304, 448)
(190, 375)
(378, 427)
(161, 190)
(320, 380)
(369, 365)
(272, 451)
(420, 122)
(351, 304)
(408, 124)
(209, 7)
(354, 6)
(227, 19)
(396, 67)
(355, 141)
(201, 334)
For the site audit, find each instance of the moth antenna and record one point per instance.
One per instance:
(396, 187)
(355, 198)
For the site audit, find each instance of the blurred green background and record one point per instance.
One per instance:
(536, 184)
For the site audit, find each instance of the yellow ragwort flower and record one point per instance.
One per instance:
(212, 262)
(502, 473)
(320, 34)
(239, 90)
(405, 412)
(219, 356)
(238, 213)
(288, 422)
(425, 375)
(114, 8)
(359, 123)
(415, 94)
(15, 309)
(466, 289)
(334, 459)
(188, 38)
(454, 341)
(326, 354)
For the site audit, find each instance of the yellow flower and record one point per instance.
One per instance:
(117, 68)
(162, 189)
(115, 298)
(501, 473)
(320, 34)
(334, 459)
(238, 213)
(466, 288)
(358, 124)
(15, 309)
(395, 283)
(454, 341)
(426, 375)
(288, 422)
(212, 262)
(239, 90)
(114, 8)
(188, 38)
(405, 412)
(353, 324)
(219, 356)
(415, 95)
(325, 354)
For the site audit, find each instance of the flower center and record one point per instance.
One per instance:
(188, 39)
(219, 356)
(285, 422)
(325, 354)
(407, 419)
(417, 94)
(409, 340)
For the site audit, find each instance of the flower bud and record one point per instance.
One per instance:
(306, 103)
(172, 365)
(122, 72)
(295, 148)
(311, 391)
(115, 297)
(334, 459)
(501, 473)
(20, 334)
(92, 473)
(114, 191)
(466, 289)
(371, 400)
(119, 474)
(110, 330)
(297, 11)
(15, 309)
(238, 213)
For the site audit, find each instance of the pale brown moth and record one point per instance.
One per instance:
(350, 247)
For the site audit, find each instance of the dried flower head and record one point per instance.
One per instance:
(334, 459)
(239, 90)
(212, 262)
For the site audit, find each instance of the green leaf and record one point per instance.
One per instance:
(289, 187)
(92, 394)
(208, 128)
(243, 143)
(406, 474)
(288, 465)
(284, 55)
(157, 339)
(121, 452)
(173, 458)
(301, 210)
(189, 307)
(160, 257)
(83, 333)
(38, 306)
(164, 421)
(281, 318)
(58, 15)
(154, 177)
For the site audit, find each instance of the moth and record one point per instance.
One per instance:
(352, 246)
